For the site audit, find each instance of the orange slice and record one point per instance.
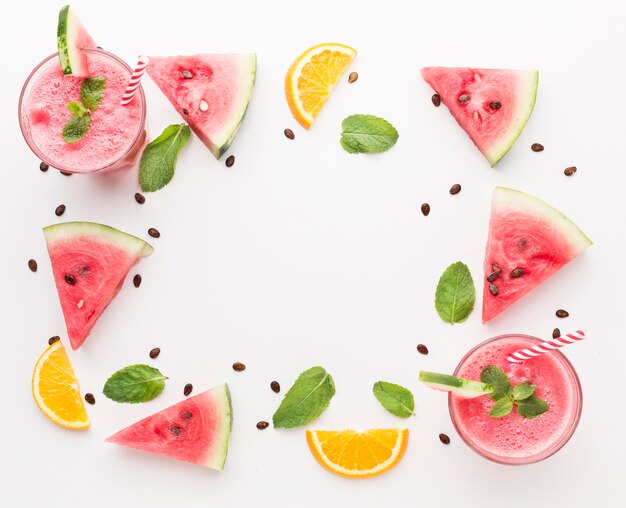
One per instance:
(358, 454)
(312, 77)
(56, 390)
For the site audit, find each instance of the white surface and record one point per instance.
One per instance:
(301, 254)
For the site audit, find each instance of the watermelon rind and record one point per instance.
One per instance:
(71, 39)
(67, 230)
(221, 395)
(465, 388)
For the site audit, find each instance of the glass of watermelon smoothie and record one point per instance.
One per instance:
(116, 133)
(512, 439)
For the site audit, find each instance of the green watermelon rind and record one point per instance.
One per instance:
(505, 198)
(527, 104)
(217, 459)
(464, 388)
(71, 230)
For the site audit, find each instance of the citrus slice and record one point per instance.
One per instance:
(56, 390)
(358, 454)
(312, 77)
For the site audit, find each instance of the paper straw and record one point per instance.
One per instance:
(135, 80)
(547, 346)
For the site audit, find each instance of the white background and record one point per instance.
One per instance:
(302, 255)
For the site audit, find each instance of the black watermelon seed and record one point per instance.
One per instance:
(262, 425)
(493, 289)
(32, 264)
(556, 333)
(186, 74)
(536, 147)
(562, 313)
(137, 280)
(444, 439)
(185, 111)
(455, 189)
(239, 367)
(289, 134)
(70, 279)
(353, 77)
(436, 100)
(53, 339)
(90, 399)
(493, 276)
(175, 430)
(495, 105)
(188, 389)
(155, 352)
(570, 171)
(66, 173)
(422, 349)
(60, 210)
(43, 167)
(518, 272)
(522, 243)
(186, 415)
(140, 198)
(464, 98)
(275, 386)
(425, 209)
(154, 233)
(230, 160)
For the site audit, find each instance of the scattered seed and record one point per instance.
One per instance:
(495, 105)
(570, 171)
(187, 415)
(436, 100)
(140, 198)
(275, 386)
(188, 389)
(289, 134)
(66, 173)
(137, 280)
(464, 98)
(186, 74)
(455, 189)
(444, 439)
(185, 111)
(262, 425)
(175, 430)
(53, 339)
(536, 147)
(43, 167)
(556, 333)
(230, 161)
(90, 399)
(60, 210)
(493, 276)
(155, 352)
(562, 313)
(493, 289)
(32, 264)
(353, 77)
(425, 209)
(518, 272)
(422, 349)
(154, 233)
(238, 367)
(70, 279)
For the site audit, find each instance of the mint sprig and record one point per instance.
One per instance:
(135, 383)
(91, 95)
(367, 134)
(520, 396)
(158, 160)
(395, 398)
(455, 294)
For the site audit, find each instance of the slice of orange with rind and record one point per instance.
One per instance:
(312, 77)
(56, 391)
(355, 454)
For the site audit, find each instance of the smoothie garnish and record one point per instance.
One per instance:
(557, 341)
(367, 134)
(394, 398)
(91, 95)
(521, 395)
(135, 383)
(455, 295)
(306, 400)
(158, 160)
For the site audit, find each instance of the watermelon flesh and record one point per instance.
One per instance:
(97, 259)
(491, 105)
(72, 38)
(210, 92)
(195, 430)
(528, 234)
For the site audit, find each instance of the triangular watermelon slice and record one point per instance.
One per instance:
(492, 105)
(210, 92)
(89, 263)
(529, 241)
(72, 38)
(195, 430)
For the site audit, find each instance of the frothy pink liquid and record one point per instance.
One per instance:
(114, 128)
(514, 439)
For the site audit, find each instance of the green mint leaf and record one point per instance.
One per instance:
(523, 390)
(77, 109)
(532, 407)
(158, 161)
(76, 128)
(306, 400)
(394, 398)
(92, 92)
(496, 377)
(135, 383)
(367, 134)
(455, 294)
(501, 408)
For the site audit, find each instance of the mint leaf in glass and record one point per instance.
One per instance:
(523, 391)
(501, 408)
(495, 376)
(395, 398)
(532, 407)
(158, 161)
(92, 92)
(367, 134)
(77, 109)
(135, 383)
(455, 294)
(75, 128)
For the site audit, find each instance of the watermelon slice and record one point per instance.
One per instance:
(89, 263)
(529, 241)
(492, 105)
(210, 92)
(72, 38)
(195, 430)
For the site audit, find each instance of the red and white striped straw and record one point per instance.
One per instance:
(545, 347)
(135, 80)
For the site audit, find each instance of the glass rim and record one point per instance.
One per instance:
(557, 444)
(36, 150)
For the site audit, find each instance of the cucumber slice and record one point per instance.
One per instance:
(72, 38)
(464, 388)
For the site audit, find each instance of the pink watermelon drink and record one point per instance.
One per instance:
(513, 439)
(116, 133)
